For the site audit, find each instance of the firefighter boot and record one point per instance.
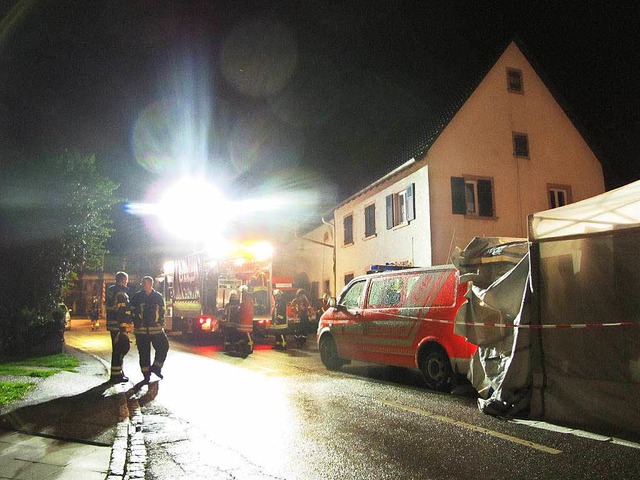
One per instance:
(281, 342)
(156, 369)
(249, 344)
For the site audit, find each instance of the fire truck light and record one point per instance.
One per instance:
(205, 322)
(186, 204)
(168, 266)
(261, 250)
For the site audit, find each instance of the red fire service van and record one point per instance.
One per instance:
(402, 317)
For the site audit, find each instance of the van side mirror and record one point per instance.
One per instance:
(332, 302)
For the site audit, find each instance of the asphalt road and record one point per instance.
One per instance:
(282, 415)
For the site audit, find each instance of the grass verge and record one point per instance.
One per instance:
(35, 367)
(12, 391)
(61, 361)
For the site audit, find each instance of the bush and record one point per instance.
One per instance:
(29, 332)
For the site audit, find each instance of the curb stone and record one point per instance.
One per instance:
(128, 453)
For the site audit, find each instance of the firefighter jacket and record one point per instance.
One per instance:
(118, 309)
(280, 312)
(245, 316)
(148, 312)
(301, 306)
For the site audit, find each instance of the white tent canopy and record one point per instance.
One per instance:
(612, 210)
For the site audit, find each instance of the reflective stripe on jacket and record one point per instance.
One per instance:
(148, 312)
(118, 308)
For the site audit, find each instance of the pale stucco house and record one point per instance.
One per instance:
(506, 150)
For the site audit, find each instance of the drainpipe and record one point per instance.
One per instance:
(335, 273)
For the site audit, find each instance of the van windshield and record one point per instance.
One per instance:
(352, 298)
(385, 292)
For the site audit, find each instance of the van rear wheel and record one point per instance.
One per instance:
(436, 369)
(329, 354)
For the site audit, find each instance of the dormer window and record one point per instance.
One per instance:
(514, 80)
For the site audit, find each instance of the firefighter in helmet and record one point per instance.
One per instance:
(119, 324)
(231, 311)
(148, 312)
(279, 319)
(245, 323)
(302, 309)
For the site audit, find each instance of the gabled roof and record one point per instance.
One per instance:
(420, 137)
(415, 137)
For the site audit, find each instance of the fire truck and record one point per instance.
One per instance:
(197, 288)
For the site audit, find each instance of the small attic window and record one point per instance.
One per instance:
(514, 80)
(520, 145)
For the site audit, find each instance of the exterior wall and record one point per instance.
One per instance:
(410, 242)
(478, 141)
(303, 256)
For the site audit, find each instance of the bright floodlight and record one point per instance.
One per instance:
(168, 266)
(261, 250)
(193, 209)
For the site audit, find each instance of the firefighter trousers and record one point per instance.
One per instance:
(120, 345)
(160, 344)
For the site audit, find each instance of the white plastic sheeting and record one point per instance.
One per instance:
(612, 210)
(498, 272)
(557, 320)
(586, 276)
(586, 367)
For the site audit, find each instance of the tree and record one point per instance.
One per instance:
(54, 217)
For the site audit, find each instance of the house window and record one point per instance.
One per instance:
(559, 195)
(401, 207)
(348, 230)
(520, 145)
(514, 80)
(348, 277)
(370, 220)
(472, 196)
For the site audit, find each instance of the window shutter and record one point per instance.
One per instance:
(348, 229)
(485, 198)
(457, 195)
(389, 212)
(411, 204)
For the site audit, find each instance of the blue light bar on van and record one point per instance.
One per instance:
(385, 268)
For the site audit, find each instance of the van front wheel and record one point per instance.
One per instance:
(436, 369)
(329, 354)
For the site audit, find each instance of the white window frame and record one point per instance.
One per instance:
(400, 205)
(554, 189)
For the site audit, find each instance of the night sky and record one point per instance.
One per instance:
(293, 95)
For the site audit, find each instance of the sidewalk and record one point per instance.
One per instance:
(70, 426)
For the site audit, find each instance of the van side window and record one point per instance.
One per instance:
(431, 289)
(352, 298)
(385, 292)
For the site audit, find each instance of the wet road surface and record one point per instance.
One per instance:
(282, 415)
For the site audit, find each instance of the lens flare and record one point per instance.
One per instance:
(173, 134)
(259, 57)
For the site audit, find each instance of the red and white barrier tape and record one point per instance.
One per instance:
(540, 327)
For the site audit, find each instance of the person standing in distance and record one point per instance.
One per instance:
(118, 324)
(147, 307)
